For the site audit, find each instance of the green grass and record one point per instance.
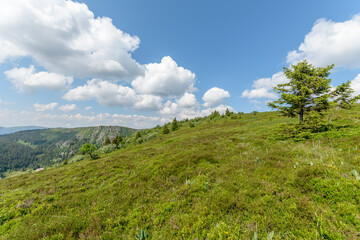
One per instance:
(222, 179)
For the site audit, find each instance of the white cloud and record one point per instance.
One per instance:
(44, 107)
(188, 107)
(355, 84)
(165, 79)
(147, 102)
(27, 80)
(331, 42)
(9, 50)
(24, 118)
(215, 96)
(66, 38)
(88, 108)
(188, 101)
(259, 93)
(68, 107)
(262, 88)
(111, 94)
(185, 107)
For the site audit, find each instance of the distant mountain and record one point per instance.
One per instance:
(44, 147)
(8, 130)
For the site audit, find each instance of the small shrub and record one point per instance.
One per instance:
(137, 135)
(214, 115)
(117, 140)
(139, 141)
(96, 154)
(165, 129)
(108, 148)
(76, 158)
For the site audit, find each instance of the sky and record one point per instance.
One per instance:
(140, 63)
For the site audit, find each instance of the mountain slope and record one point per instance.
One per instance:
(41, 148)
(222, 179)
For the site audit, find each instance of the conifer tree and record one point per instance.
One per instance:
(343, 96)
(308, 90)
(165, 129)
(107, 141)
(174, 125)
(117, 140)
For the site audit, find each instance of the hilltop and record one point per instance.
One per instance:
(229, 177)
(27, 150)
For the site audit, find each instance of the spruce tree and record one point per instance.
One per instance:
(308, 90)
(174, 125)
(165, 129)
(107, 141)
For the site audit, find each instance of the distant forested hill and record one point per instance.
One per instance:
(8, 130)
(40, 148)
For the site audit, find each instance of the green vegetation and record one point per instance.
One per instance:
(90, 149)
(174, 125)
(307, 91)
(107, 141)
(229, 177)
(33, 149)
(165, 129)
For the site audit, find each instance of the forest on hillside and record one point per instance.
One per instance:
(40, 148)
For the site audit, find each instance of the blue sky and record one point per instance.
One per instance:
(142, 63)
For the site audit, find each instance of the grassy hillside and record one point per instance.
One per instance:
(40, 148)
(225, 178)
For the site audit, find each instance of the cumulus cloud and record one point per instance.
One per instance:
(262, 88)
(331, 42)
(215, 96)
(68, 107)
(66, 38)
(28, 80)
(188, 107)
(188, 101)
(165, 79)
(45, 107)
(88, 108)
(355, 84)
(111, 94)
(185, 107)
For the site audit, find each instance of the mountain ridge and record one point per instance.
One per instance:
(9, 130)
(32, 149)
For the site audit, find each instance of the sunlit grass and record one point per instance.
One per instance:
(221, 179)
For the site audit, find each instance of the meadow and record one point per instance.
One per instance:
(224, 177)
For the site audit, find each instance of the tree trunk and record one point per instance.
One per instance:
(301, 113)
(301, 117)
